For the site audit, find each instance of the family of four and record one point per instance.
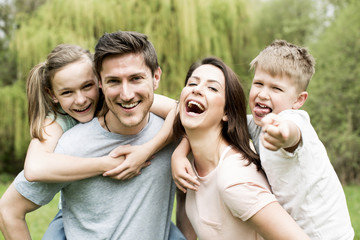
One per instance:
(112, 155)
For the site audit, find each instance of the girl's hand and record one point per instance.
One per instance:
(135, 159)
(183, 174)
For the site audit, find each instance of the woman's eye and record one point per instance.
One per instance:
(213, 89)
(65, 93)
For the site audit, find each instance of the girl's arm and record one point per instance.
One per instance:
(42, 165)
(182, 171)
(273, 222)
(13, 208)
(135, 156)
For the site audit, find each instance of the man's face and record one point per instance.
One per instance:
(128, 86)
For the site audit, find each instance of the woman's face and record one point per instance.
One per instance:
(75, 88)
(202, 100)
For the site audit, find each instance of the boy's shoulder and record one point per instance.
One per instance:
(291, 114)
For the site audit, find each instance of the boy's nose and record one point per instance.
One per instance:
(264, 93)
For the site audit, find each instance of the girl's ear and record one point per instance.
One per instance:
(51, 94)
(300, 100)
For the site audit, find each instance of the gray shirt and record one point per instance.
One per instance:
(103, 208)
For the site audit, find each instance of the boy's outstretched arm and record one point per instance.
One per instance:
(279, 133)
(13, 208)
(183, 174)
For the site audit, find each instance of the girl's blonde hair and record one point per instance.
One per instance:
(39, 85)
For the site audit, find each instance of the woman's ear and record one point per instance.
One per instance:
(225, 118)
(300, 100)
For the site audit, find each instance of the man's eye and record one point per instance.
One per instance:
(87, 86)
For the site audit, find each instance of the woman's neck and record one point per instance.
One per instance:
(206, 147)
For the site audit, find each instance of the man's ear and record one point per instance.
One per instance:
(51, 94)
(300, 100)
(157, 75)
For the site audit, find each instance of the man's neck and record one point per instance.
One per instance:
(111, 123)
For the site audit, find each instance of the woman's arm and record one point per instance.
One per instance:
(42, 165)
(273, 222)
(13, 208)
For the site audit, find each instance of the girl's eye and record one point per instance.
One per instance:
(278, 89)
(191, 84)
(65, 93)
(258, 83)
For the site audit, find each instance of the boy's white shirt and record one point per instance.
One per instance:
(305, 182)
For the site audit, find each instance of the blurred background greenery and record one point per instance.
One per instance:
(182, 32)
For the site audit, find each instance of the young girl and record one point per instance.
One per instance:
(234, 200)
(62, 92)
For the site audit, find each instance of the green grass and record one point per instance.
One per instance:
(40, 219)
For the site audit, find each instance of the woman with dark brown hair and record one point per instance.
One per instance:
(233, 200)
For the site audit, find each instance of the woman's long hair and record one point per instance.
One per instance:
(235, 130)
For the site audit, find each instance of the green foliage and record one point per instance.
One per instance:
(292, 20)
(14, 131)
(182, 31)
(334, 92)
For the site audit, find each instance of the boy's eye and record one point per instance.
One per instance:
(278, 89)
(258, 83)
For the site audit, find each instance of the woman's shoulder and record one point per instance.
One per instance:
(235, 168)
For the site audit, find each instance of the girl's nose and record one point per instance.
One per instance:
(80, 99)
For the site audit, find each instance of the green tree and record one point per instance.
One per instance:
(292, 20)
(334, 91)
(181, 30)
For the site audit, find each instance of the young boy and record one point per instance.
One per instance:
(293, 158)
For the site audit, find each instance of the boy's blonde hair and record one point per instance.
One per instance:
(283, 58)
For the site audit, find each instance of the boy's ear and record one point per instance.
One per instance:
(51, 94)
(300, 100)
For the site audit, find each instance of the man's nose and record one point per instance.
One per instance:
(127, 92)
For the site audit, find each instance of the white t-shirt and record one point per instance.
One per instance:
(305, 182)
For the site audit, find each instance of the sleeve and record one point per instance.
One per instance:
(65, 121)
(38, 192)
(244, 190)
(244, 200)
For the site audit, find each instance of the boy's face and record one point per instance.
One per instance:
(273, 94)
(128, 86)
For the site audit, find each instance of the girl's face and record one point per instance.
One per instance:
(75, 88)
(202, 100)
